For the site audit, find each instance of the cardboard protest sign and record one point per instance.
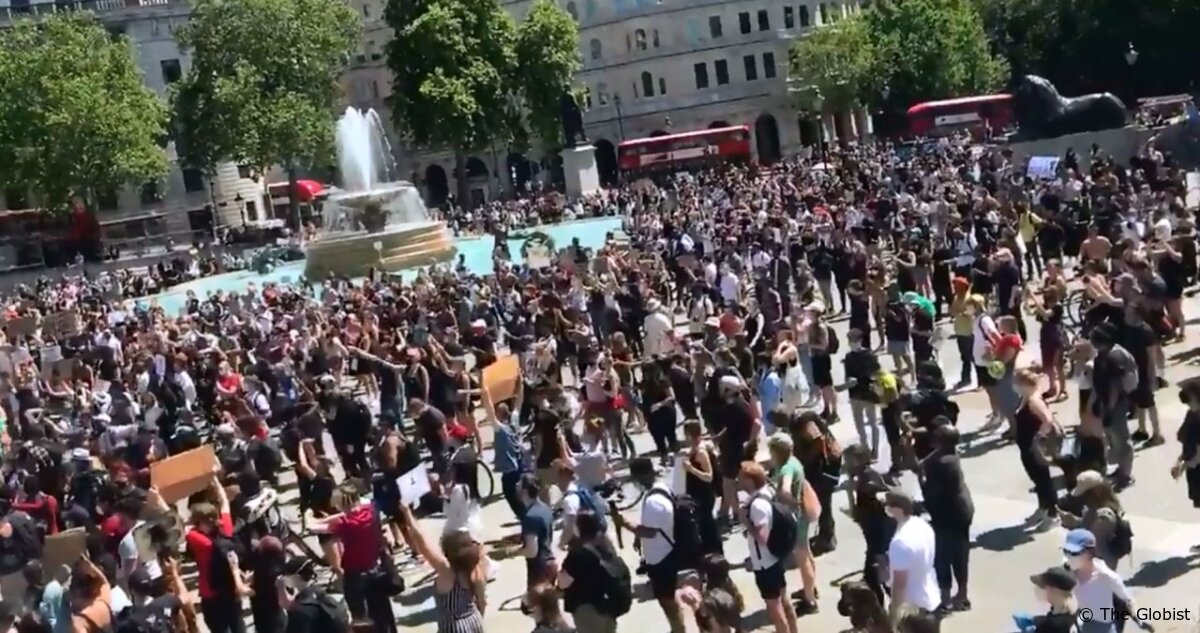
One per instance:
(21, 326)
(183, 475)
(500, 378)
(64, 366)
(60, 324)
(64, 548)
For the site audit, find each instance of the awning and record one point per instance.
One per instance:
(306, 190)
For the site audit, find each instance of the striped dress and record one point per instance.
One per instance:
(457, 612)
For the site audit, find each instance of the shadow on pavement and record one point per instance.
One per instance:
(1158, 573)
(1004, 539)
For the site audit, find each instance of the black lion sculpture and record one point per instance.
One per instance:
(572, 120)
(1043, 113)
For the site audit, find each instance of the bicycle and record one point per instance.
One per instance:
(485, 480)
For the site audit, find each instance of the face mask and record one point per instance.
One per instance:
(1075, 562)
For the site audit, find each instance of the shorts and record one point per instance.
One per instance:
(771, 582)
(822, 370)
(731, 458)
(664, 577)
(985, 379)
(1143, 396)
(898, 348)
(537, 571)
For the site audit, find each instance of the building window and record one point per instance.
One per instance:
(744, 22)
(171, 71)
(193, 180)
(714, 26)
(602, 93)
(662, 86)
(374, 89)
(769, 65)
(722, 68)
(647, 85)
(654, 38)
(751, 65)
(764, 20)
(804, 18)
(108, 200)
(597, 48)
(628, 43)
(149, 193)
(573, 11)
(639, 38)
(692, 31)
(701, 71)
(366, 11)
(823, 17)
(789, 18)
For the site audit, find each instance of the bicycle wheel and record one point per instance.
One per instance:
(485, 479)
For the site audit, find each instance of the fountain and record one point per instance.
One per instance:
(372, 220)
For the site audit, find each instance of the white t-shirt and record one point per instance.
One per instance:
(1096, 591)
(760, 517)
(658, 512)
(128, 550)
(984, 328)
(911, 551)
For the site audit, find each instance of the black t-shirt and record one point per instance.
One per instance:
(1008, 279)
(861, 365)
(313, 612)
(1138, 338)
(1054, 623)
(738, 418)
(583, 565)
(22, 546)
(896, 327)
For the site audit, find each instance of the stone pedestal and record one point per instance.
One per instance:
(579, 170)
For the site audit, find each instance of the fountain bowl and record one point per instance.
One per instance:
(386, 228)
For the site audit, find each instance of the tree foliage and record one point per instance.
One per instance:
(466, 75)
(76, 119)
(1081, 45)
(263, 84)
(838, 62)
(932, 49)
(547, 53)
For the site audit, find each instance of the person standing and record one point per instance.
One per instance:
(508, 452)
(537, 532)
(656, 532)
(1188, 464)
(1098, 587)
(1034, 425)
(910, 557)
(768, 570)
(787, 478)
(1114, 379)
(951, 511)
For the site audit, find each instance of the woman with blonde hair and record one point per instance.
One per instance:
(1037, 436)
(460, 589)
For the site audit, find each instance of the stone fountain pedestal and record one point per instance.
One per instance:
(377, 229)
(580, 172)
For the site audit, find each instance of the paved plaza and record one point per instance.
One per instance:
(1163, 570)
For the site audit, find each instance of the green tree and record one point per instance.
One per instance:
(263, 84)
(76, 120)
(839, 63)
(547, 54)
(1081, 45)
(932, 49)
(453, 63)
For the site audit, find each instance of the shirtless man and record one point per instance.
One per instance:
(1096, 247)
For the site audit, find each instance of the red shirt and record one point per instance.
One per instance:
(200, 546)
(45, 508)
(1007, 342)
(359, 533)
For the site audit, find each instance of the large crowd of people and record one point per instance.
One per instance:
(715, 325)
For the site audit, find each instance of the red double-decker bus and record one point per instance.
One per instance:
(976, 114)
(680, 152)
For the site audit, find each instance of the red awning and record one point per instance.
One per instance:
(306, 190)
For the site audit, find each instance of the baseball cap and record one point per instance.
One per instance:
(141, 582)
(1054, 578)
(1085, 481)
(1079, 540)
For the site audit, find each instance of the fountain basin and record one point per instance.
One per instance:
(397, 247)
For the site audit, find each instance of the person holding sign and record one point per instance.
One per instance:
(220, 582)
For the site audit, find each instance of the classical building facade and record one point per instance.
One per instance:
(178, 206)
(651, 67)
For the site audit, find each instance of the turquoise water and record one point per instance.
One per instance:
(476, 252)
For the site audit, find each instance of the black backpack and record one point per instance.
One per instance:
(687, 544)
(832, 344)
(617, 585)
(781, 540)
(1121, 543)
(333, 616)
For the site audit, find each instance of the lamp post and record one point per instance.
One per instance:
(241, 203)
(1131, 57)
(620, 122)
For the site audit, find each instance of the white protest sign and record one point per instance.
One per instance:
(1192, 198)
(1044, 167)
(413, 485)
